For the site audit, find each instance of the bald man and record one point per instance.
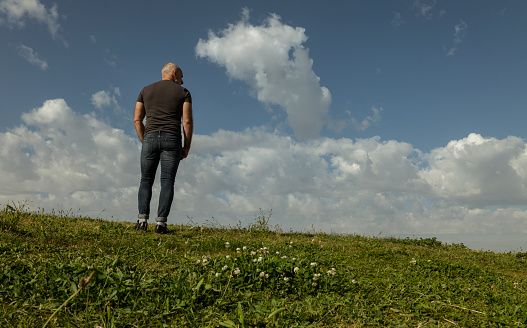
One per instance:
(167, 106)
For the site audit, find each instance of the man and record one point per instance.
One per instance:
(166, 105)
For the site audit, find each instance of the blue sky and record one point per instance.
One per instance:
(406, 117)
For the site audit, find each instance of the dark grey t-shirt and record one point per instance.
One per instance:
(163, 102)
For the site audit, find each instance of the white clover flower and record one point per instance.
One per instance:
(291, 242)
(413, 261)
(254, 260)
(237, 271)
(258, 270)
(238, 249)
(218, 274)
(204, 262)
(293, 259)
(198, 261)
(253, 253)
(284, 257)
(316, 276)
(244, 248)
(265, 248)
(262, 274)
(314, 264)
(286, 279)
(204, 256)
(354, 281)
(266, 276)
(260, 259)
(227, 256)
(277, 253)
(314, 284)
(227, 244)
(296, 269)
(230, 276)
(225, 267)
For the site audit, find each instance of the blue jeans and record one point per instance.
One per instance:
(158, 147)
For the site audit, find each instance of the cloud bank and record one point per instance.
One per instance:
(59, 160)
(271, 58)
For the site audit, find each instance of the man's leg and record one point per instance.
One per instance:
(170, 158)
(149, 163)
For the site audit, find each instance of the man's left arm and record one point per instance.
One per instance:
(139, 116)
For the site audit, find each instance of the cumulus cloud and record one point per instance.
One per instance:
(31, 56)
(15, 13)
(60, 159)
(271, 58)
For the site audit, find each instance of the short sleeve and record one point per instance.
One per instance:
(140, 97)
(188, 97)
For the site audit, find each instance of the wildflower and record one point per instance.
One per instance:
(254, 260)
(238, 249)
(230, 276)
(204, 256)
(218, 274)
(354, 281)
(198, 261)
(296, 269)
(286, 279)
(204, 262)
(413, 261)
(258, 270)
(227, 244)
(277, 253)
(314, 284)
(260, 259)
(244, 248)
(227, 256)
(262, 274)
(266, 276)
(293, 259)
(237, 271)
(314, 264)
(253, 253)
(332, 272)
(284, 257)
(265, 248)
(194, 288)
(316, 276)
(225, 267)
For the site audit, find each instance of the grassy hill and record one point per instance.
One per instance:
(58, 270)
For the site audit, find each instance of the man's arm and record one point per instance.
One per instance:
(139, 116)
(188, 128)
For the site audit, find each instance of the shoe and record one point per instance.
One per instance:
(141, 226)
(161, 229)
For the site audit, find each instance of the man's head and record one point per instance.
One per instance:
(173, 73)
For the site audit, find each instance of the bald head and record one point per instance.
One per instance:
(168, 69)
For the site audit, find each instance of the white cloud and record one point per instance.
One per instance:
(108, 99)
(460, 29)
(422, 8)
(460, 33)
(31, 56)
(397, 19)
(271, 58)
(15, 13)
(59, 159)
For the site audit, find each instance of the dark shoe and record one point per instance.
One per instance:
(141, 226)
(161, 229)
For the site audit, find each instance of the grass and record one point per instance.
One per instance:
(61, 270)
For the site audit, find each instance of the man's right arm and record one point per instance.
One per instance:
(139, 116)
(188, 128)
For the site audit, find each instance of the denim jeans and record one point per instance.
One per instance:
(158, 147)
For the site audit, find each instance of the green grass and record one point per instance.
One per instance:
(59, 270)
